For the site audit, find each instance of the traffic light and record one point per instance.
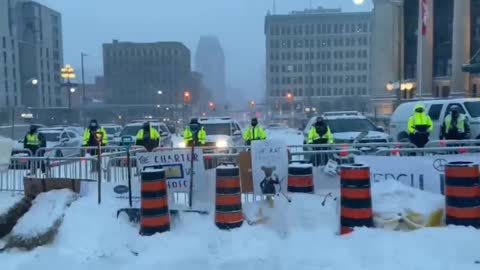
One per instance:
(211, 105)
(187, 96)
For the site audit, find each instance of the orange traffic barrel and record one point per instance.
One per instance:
(300, 178)
(356, 200)
(154, 212)
(228, 200)
(462, 194)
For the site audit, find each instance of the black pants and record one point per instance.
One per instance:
(419, 139)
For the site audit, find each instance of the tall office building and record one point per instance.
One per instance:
(31, 48)
(146, 73)
(210, 62)
(41, 55)
(317, 57)
(10, 94)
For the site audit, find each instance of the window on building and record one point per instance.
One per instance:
(5, 58)
(300, 92)
(4, 42)
(5, 71)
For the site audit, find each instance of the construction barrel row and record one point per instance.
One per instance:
(154, 212)
(228, 198)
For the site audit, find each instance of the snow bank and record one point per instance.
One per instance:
(299, 235)
(47, 208)
(7, 200)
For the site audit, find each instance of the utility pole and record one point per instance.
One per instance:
(84, 99)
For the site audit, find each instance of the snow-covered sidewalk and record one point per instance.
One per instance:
(300, 235)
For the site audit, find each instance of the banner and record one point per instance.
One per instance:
(422, 172)
(269, 166)
(177, 165)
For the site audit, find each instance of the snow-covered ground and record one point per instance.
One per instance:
(7, 200)
(299, 235)
(46, 209)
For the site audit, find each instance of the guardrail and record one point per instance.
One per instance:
(432, 150)
(440, 143)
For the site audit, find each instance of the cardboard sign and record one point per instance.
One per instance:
(34, 186)
(269, 166)
(177, 165)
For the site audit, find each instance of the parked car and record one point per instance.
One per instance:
(349, 126)
(132, 129)
(112, 131)
(438, 110)
(56, 139)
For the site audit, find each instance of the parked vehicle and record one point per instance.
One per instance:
(57, 139)
(222, 132)
(437, 110)
(351, 126)
(112, 131)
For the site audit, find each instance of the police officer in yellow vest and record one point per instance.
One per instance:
(89, 136)
(320, 133)
(456, 126)
(420, 126)
(148, 137)
(33, 141)
(254, 133)
(194, 134)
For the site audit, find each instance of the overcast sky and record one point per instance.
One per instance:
(87, 24)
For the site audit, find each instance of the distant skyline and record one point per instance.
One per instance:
(239, 26)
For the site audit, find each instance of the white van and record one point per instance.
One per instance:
(437, 109)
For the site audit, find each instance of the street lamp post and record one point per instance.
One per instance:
(290, 101)
(68, 73)
(84, 96)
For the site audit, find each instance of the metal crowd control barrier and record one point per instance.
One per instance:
(431, 150)
(440, 143)
(80, 150)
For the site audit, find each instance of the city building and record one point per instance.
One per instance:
(41, 55)
(10, 92)
(146, 73)
(210, 62)
(31, 55)
(317, 60)
(428, 47)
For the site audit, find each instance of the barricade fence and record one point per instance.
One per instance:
(114, 164)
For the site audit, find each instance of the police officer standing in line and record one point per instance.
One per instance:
(194, 134)
(148, 137)
(33, 140)
(254, 133)
(320, 133)
(420, 126)
(456, 126)
(89, 136)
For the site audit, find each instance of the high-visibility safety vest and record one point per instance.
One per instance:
(460, 123)
(420, 122)
(33, 140)
(154, 135)
(86, 136)
(188, 135)
(314, 136)
(254, 134)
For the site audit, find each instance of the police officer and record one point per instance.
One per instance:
(194, 134)
(148, 137)
(254, 133)
(420, 126)
(456, 126)
(320, 133)
(89, 136)
(33, 141)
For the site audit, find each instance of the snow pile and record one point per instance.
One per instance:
(40, 224)
(298, 235)
(7, 200)
(6, 147)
